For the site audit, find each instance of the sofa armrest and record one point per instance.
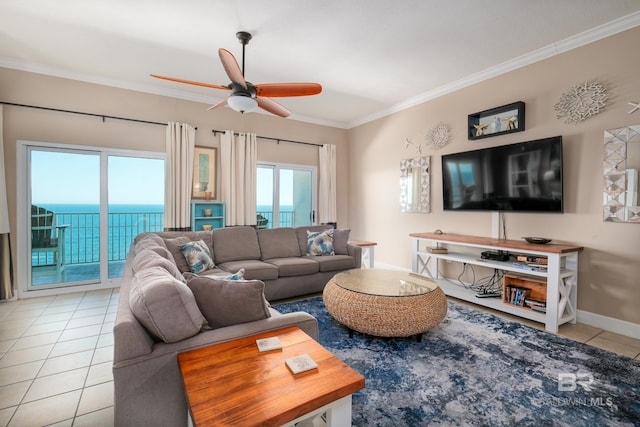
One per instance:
(303, 320)
(356, 253)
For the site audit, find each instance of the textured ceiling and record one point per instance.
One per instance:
(372, 57)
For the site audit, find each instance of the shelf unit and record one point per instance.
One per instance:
(198, 217)
(561, 275)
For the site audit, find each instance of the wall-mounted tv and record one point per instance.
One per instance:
(523, 177)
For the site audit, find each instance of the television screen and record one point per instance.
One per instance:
(518, 177)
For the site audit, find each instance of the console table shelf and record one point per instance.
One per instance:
(561, 275)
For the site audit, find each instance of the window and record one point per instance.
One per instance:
(286, 195)
(80, 209)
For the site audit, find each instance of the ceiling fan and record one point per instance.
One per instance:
(245, 96)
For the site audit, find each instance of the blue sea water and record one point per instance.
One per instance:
(125, 221)
(82, 231)
(91, 208)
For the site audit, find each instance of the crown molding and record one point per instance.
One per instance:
(594, 34)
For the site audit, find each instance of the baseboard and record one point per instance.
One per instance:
(610, 324)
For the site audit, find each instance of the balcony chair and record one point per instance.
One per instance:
(261, 222)
(47, 237)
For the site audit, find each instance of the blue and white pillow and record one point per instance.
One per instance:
(238, 275)
(320, 243)
(197, 255)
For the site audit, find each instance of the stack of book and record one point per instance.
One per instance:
(536, 305)
(515, 295)
(438, 250)
(532, 259)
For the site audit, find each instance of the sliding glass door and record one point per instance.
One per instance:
(135, 204)
(83, 207)
(64, 210)
(286, 194)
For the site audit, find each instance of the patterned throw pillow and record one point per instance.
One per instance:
(197, 255)
(320, 243)
(237, 276)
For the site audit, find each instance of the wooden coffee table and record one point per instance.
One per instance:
(232, 383)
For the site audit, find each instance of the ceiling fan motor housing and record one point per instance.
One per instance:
(244, 37)
(238, 90)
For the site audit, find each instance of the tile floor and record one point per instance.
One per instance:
(55, 360)
(56, 355)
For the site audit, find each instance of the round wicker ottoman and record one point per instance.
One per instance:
(385, 303)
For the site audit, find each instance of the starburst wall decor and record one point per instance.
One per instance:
(438, 136)
(581, 102)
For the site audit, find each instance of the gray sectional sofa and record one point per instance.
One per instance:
(165, 309)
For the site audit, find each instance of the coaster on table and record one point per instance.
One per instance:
(267, 344)
(301, 364)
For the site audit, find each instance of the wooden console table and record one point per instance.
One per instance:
(367, 252)
(232, 383)
(561, 275)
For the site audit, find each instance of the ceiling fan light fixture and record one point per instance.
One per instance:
(242, 104)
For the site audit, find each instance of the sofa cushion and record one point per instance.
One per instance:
(253, 269)
(296, 266)
(336, 262)
(197, 256)
(235, 243)
(154, 243)
(301, 234)
(229, 302)
(320, 243)
(340, 241)
(165, 306)
(173, 242)
(278, 243)
(149, 258)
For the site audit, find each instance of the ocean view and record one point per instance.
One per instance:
(89, 208)
(82, 231)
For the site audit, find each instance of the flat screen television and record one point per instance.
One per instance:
(524, 177)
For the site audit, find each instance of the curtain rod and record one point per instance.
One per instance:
(102, 116)
(278, 140)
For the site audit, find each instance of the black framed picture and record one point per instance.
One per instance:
(496, 121)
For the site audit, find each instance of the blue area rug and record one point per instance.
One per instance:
(476, 369)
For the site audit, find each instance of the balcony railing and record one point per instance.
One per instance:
(287, 219)
(82, 235)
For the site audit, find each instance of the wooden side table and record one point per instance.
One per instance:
(367, 252)
(232, 383)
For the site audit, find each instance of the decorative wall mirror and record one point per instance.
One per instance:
(414, 185)
(621, 166)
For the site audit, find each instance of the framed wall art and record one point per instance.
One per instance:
(496, 121)
(204, 173)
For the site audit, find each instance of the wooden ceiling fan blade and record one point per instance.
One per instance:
(219, 104)
(272, 106)
(189, 82)
(231, 67)
(287, 89)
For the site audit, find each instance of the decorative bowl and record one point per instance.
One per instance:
(537, 240)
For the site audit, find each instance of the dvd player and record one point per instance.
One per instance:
(495, 255)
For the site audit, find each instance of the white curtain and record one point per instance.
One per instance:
(327, 188)
(6, 276)
(178, 175)
(238, 177)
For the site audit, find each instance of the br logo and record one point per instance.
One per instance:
(570, 382)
